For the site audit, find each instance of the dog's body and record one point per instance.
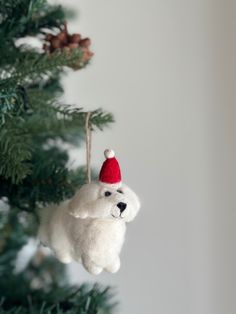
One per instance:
(90, 228)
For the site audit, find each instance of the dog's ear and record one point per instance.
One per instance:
(80, 203)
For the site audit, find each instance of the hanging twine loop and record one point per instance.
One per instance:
(88, 132)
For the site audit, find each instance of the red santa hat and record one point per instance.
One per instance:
(110, 171)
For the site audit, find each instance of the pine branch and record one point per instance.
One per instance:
(13, 103)
(60, 121)
(15, 152)
(28, 17)
(71, 300)
(34, 67)
(100, 119)
(18, 142)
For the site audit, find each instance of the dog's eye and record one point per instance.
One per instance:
(107, 193)
(119, 191)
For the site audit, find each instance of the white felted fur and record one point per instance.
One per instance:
(90, 227)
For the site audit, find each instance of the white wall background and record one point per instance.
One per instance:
(166, 69)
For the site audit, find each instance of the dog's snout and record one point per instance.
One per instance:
(121, 206)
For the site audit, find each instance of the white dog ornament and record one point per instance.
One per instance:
(90, 227)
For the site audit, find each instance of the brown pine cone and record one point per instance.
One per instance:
(62, 36)
(49, 37)
(65, 42)
(75, 38)
(56, 43)
(85, 43)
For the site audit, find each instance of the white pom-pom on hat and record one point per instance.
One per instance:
(109, 153)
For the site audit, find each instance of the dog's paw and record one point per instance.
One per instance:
(114, 267)
(91, 267)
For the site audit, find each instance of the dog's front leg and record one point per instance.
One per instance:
(94, 209)
(80, 212)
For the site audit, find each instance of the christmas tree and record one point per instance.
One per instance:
(35, 129)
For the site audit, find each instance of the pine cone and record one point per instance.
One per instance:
(75, 38)
(63, 37)
(66, 42)
(56, 43)
(85, 43)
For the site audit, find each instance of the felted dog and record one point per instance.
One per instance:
(90, 227)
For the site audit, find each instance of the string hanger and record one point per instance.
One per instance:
(88, 131)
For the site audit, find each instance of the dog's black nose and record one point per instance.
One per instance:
(121, 206)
